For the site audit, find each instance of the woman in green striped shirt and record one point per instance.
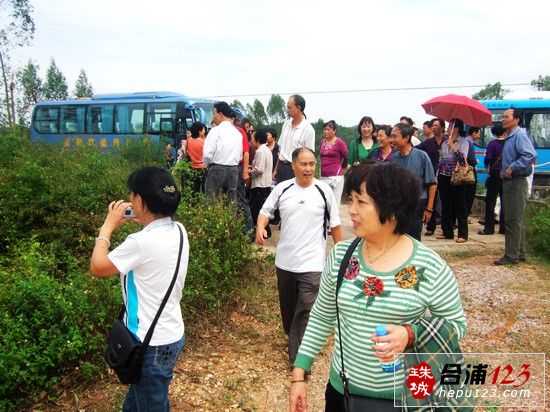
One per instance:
(391, 279)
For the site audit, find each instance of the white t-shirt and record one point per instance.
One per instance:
(301, 247)
(147, 261)
(292, 138)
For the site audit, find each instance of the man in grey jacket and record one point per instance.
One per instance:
(518, 157)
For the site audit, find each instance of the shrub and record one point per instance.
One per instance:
(54, 314)
(219, 251)
(537, 223)
(48, 321)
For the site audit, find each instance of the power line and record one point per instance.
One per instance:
(384, 89)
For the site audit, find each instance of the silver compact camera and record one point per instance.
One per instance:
(129, 213)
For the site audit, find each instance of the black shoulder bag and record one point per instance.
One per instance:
(124, 351)
(352, 403)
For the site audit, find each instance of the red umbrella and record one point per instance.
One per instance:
(453, 106)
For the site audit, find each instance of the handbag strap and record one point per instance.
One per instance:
(149, 334)
(339, 280)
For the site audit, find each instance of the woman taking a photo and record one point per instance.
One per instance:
(360, 148)
(390, 280)
(454, 151)
(146, 261)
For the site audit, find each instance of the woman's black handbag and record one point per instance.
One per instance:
(124, 351)
(353, 403)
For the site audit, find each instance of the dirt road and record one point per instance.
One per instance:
(240, 363)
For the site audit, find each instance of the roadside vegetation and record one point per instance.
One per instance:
(55, 315)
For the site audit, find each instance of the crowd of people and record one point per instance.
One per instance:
(395, 184)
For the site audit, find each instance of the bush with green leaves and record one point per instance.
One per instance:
(537, 223)
(52, 319)
(54, 313)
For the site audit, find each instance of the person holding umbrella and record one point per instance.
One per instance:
(454, 151)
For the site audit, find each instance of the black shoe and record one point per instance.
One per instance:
(505, 261)
(428, 233)
(483, 232)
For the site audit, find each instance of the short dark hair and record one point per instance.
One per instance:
(260, 135)
(196, 128)
(273, 132)
(386, 128)
(299, 150)
(458, 124)
(440, 121)
(473, 129)
(517, 114)
(157, 189)
(394, 190)
(331, 124)
(365, 119)
(299, 101)
(224, 108)
(428, 123)
(407, 119)
(406, 130)
(498, 129)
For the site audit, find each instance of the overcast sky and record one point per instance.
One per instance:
(253, 47)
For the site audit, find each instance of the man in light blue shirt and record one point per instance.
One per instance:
(518, 157)
(419, 163)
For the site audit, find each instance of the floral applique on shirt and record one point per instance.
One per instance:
(372, 287)
(410, 277)
(352, 271)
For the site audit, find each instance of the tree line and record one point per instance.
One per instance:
(23, 87)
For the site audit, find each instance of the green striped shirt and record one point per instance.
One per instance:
(437, 292)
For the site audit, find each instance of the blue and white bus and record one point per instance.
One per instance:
(109, 119)
(535, 106)
(206, 108)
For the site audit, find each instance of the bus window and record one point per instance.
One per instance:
(129, 118)
(159, 115)
(99, 119)
(72, 119)
(46, 119)
(539, 129)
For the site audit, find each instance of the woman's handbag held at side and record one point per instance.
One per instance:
(124, 353)
(463, 175)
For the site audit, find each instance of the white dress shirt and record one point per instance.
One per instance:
(292, 138)
(223, 145)
(262, 165)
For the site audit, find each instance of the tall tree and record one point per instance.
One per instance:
(31, 86)
(83, 88)
(256, 113)
(491, 92)
(237, 104)
(55, 85)
(276, 109)
(542, 82)
(16, 30)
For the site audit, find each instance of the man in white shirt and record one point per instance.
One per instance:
(223, 149)
(297, 132)
(307, 208)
